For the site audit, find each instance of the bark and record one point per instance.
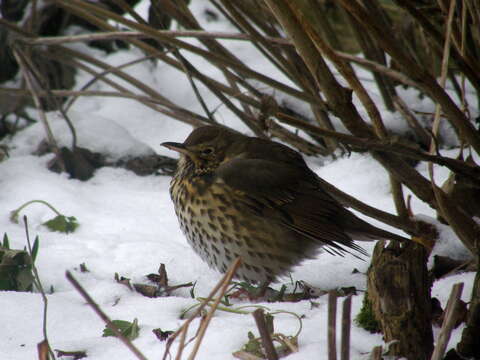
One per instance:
(399, 290)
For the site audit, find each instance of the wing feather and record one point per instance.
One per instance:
(291, 196)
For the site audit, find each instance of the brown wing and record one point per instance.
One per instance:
(289, 195)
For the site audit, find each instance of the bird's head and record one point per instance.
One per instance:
(206, 147)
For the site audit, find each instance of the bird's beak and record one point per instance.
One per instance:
(178, 147)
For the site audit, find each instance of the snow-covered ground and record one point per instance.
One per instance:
(128, 226)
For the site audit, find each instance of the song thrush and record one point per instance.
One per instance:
(240, 196)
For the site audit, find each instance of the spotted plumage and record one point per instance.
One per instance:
(239, 196)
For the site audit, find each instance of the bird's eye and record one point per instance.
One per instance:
(207, 151)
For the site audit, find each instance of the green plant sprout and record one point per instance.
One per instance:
(60, 223)
(16, 266)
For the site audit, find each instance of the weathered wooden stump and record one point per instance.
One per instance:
(399, 290)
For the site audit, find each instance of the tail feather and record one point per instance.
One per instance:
(375, 234)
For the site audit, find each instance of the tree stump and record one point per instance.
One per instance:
(399, 290)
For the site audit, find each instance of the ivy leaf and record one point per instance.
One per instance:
(128, 329)
(62, 223)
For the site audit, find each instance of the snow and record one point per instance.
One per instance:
(128, 226)
(90, 132)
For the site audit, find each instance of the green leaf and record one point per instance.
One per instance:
(14, 216)
(25, 280)
(192, 290)
(6, 242)
(128, 329)
(62, 224)
(226, 301)
(35, 247)
(16, 258)
(15, 270)
(253, 346)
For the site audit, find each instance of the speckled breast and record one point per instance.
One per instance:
(220, 228)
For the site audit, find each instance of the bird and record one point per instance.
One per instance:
(253, 198)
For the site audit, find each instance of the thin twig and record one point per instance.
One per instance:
(269, 49)
(415, 70)
(422, 135)
(371, 51)
(42, 83)
(346, 324)
(332, 325)
(77, 59)
(448, 322)
(122, 35)
(39, 286)
(84, 10)
(391, 145)
(267, 342)
(62, 93)
(197, 120)
(343, 68)
(437, 40)
(209, 82)
(34, 91)
(181, 345)
(339, 98)
(186, 65)
(104, 316)
(398, 197)
(200, 308)
(463, 99)
(444, 70)
(204, 324)
(300, 143)
(101, 75)
(463, 225)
